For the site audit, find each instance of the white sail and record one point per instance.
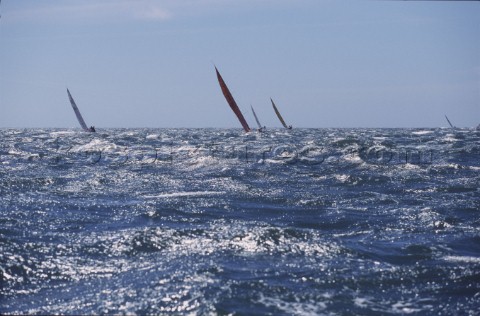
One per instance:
(77, 113)
(256, 118)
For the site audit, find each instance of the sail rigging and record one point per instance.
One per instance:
(77, 113)
(260, 128)
(279, 115)
(231, 102)
(449, 122)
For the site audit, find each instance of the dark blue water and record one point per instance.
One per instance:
(209, 221)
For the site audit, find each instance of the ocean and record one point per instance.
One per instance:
(219, 222)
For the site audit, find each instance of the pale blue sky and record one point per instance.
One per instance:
(149, 63)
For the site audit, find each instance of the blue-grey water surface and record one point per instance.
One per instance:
(216, 221)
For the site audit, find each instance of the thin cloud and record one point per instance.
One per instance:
(156, 10)
(98, 10)
(152, 13)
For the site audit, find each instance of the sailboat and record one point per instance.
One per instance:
(79, 116)
(260, 127)
(449, 122)
(231, 102)
(280, 116)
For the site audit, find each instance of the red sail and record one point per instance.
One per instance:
(232, 102)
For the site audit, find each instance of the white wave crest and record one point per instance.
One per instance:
(184, 194)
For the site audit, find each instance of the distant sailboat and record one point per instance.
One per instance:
(280, 116)
(260, 127)
(231, 102)
(79, 116)
(449, 122)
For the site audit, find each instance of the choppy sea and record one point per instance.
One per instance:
(219, 222)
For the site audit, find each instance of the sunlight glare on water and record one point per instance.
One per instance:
(211, 221)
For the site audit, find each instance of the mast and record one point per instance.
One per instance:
(77, 112)
(256, 118)
(231, 102)
(279, 116)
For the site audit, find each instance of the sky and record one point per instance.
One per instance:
(325, 63)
